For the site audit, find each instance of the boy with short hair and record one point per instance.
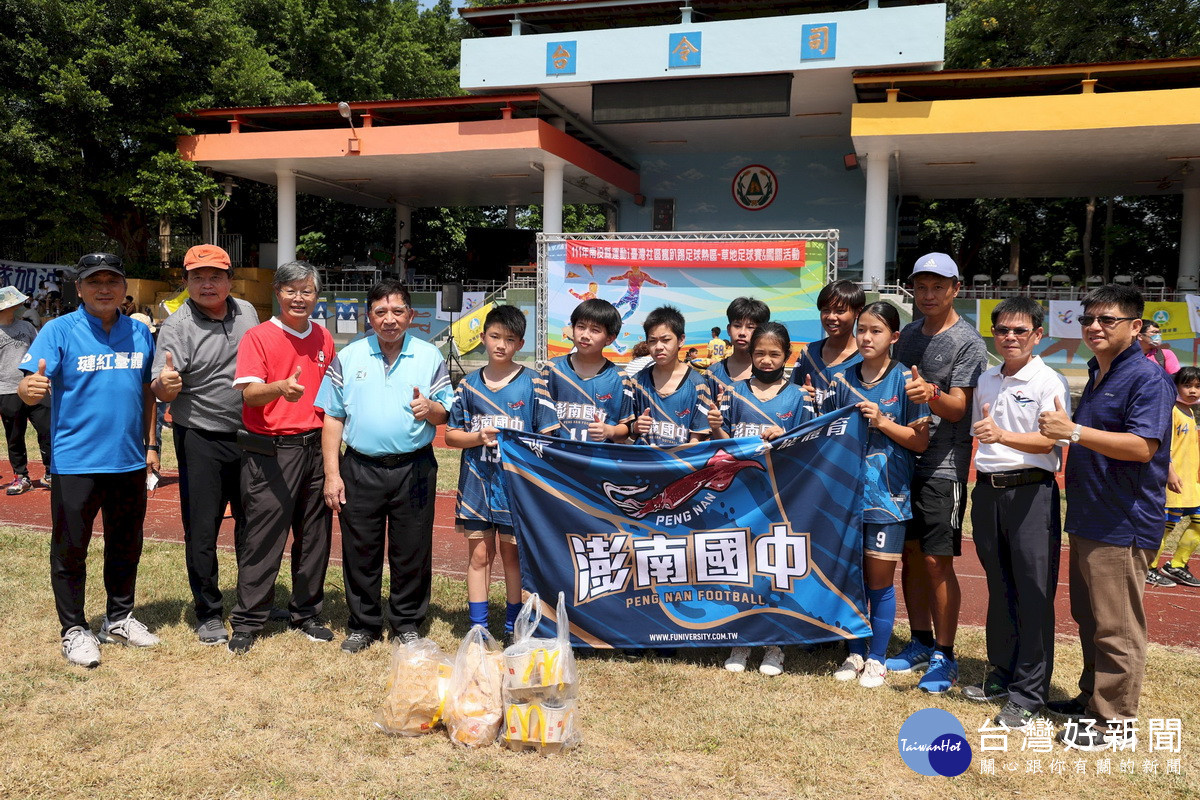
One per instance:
(670, 399)
(501, 395)
(744, 315)
(717, 349)
(1183, 485)
(592, 398)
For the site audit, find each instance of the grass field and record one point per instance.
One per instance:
(293, 719)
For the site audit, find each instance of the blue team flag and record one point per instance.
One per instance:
(729, 542)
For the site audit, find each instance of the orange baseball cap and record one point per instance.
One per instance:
(206, 255)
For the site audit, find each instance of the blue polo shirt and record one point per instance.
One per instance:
(375, 401)
(1112, 501)
(96, 386)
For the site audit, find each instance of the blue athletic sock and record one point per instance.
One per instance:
(511, 610)
(883, 619)
(478, 612)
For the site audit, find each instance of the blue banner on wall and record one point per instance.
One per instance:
(729, 542)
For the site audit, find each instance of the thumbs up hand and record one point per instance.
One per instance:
(1056, 424)
(33, 388)
(919, 390)
(644, 423)
(715, 418)
(597, 430)
(419, 405)
(292, 388)
(986, 430)
(169, 378)
(808, 387)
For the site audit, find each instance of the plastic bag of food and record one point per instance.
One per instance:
(475, 706)
(540, 684)
(417, 686)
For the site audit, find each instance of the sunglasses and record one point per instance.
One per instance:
(1105, 321)
(100, 259)
(1000, 331)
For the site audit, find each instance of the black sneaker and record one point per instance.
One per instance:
(358, 641)
(314, 630)
(1067, 709)
(1081, 737)
(1179, 575)
(991, 689)
(241, 642)
(1156, 578)
(1013, 717)
(408, 637)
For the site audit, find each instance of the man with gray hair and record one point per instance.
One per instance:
(280, 365)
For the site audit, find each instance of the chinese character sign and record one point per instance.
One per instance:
(683, 49)
(730, 542)
(818, 42)
(560, 58)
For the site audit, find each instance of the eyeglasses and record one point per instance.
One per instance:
(1000, 331)
(1105, 321)
(292, 294)
(100, 259)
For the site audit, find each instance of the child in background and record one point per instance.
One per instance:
(744, 315)
(765, 405)
(670, 399)
(839, 304)
(592, 398)
(500, 395)
(694, 360)
(1183, 485)
(717, 349)
(899, 429)
(639, 358)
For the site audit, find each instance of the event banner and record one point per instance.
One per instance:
(722, 543)
(699, 277)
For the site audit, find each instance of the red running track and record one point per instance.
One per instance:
(1172, 613)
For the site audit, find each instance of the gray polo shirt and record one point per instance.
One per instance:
(955, 357)
(205, 353)
(14, 343)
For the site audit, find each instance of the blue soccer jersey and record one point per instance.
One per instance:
(746, 415)
(887, 487)
(576, 400)
(520, 405)
(677, 415)
(718, 379)
(809, 364)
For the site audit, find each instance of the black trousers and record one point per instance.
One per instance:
(210, 469)
(1018, 535)
(74, 500)
(388, 507)
(280, 493)
(16, 417)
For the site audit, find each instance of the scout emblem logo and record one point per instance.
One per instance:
(755, 187)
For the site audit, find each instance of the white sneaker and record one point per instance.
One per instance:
(737, 659)
(772, 663)
(127, 631)
(850, 668)
(79, 647)
(873, 674)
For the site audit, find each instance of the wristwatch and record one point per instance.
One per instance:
(1075, 433)
(937, 391)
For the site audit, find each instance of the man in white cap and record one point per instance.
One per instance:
(16, 334)
(947, 356)
(97, 360)
(194, 368)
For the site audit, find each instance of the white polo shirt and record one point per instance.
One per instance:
(1015, 404)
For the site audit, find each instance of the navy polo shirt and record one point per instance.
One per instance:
(1112, 501)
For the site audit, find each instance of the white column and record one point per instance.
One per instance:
(552, 197)
(875, 227)
(285, 216)
(403, 231)
(1189, 234)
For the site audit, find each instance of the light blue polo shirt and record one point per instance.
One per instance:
(376, 401)
(96, 380)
